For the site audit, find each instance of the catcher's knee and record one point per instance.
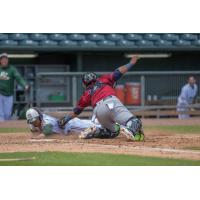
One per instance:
(134, 125)
(116, 131)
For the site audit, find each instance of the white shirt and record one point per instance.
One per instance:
(188, 93)
(73, 125)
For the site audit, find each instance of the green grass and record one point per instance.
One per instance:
(177, 129)
(173, 129)
(90, 159)
(13, 130)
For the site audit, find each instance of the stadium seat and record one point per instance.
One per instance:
(76, 37)
(188, 36)
(106, 43)
(9, 43)
(48, 43)
(102, 40)
(125, 43)
(18, 36)
(170, 37)
(153, 37)
(114, 37)
(196, 43)
(163, 43)
(57, 36)
(144, 43)
(132, 36)
(28, 43)
(87, 43)
(38, 36)
(95, 37)
(3, 36)
(67, 43)
(182, 43)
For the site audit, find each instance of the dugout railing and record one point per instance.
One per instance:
(59, 91)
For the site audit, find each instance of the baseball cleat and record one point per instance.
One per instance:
(88, 133)
(142, 137)
(129, 135)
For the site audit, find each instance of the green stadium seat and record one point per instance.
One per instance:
(67, 43)
(152, 37)
(144, 43)
(190, 37)
(182, 43)
(57, 36)
(132, 36)
(48, 43)
(125, 43)
(76, 37)
(95, 37)
(87, 43)
(114, 37)
(196, 43)
(3, 36)
(163, 43)
(9, 43)
(38, 36)
(170, 37)
(18, 36)
(107, 43)
(28, 43)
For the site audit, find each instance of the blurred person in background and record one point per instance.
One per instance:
(8, 74)
(188, 96)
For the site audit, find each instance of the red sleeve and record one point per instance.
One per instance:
(83, 102)
(108, 78)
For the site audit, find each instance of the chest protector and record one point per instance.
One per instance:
(98, 85)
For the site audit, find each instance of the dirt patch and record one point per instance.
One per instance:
(157, 143)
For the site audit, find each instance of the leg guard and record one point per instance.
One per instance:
(133, 129)
(134, 125)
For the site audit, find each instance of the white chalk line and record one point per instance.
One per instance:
(153, 149)
(158, 149)
(41, 140)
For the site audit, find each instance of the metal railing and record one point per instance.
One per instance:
(157, 88)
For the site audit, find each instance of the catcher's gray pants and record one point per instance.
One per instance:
(110, 111)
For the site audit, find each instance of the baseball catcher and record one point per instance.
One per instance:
(42, 125)
(109, 111)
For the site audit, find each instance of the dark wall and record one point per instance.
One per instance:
(107, 61)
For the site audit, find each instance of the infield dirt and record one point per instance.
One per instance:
(158, 142)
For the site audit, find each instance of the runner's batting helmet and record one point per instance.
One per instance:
(32, 114)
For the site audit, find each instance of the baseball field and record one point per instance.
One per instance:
(168, 142)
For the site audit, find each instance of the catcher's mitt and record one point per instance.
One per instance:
(64, 120)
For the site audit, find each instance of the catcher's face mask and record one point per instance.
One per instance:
(88, 78)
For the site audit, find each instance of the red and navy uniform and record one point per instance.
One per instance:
(102, 88)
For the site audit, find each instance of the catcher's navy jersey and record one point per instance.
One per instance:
(101, 89)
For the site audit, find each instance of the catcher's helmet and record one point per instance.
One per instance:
(32, 114)
(88, 78)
